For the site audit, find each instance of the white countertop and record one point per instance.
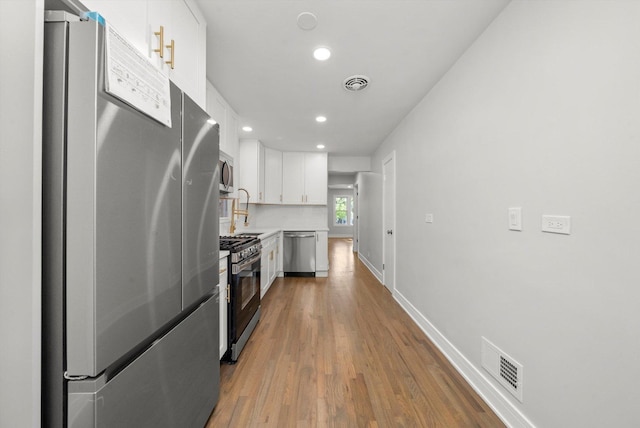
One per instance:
(223, 254)
(303, 229)
(263, 233)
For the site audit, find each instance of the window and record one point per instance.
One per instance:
(343, 211)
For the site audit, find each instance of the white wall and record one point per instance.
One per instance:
(348, 163)
(21, 32)
(288, 217)
(341, 179)
(370, 227)
(542, 112)
(342, 231)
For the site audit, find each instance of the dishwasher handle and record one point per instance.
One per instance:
(299, 235)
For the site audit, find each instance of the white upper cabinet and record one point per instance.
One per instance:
(217, 108)
(272, 176)
(185, 33)
(292, 178)
(182, 23)
(304, 178)
(128, 17)
(231, 134)
(252, 169)
(221, 112)
(315, 178)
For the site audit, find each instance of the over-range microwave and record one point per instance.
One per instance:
(225, 165)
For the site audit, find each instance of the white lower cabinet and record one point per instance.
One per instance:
(223, 285)
(268, 262)
(272, 261)
(264, 271)
(279, 258)
(322, 253)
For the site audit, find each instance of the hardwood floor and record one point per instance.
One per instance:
(339, 351)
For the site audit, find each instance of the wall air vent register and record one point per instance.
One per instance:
(505, 369)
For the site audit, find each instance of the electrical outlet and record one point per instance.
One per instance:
(428, 218)
(556, 224)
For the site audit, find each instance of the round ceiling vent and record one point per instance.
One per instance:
(307, 21)
(355, 83)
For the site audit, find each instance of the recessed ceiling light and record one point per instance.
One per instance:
(322, 53)
(247, 128)
(211, 122)
(321, 119)
(320, 146)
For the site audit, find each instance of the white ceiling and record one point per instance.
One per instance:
(262, 64)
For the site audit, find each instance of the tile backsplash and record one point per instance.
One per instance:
(278, 217)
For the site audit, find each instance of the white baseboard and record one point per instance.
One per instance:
(373, 270)
(505, 410)
(338, 235)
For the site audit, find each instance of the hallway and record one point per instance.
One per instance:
(339, 351)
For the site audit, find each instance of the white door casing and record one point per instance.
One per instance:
(356, 222)
(389, 221)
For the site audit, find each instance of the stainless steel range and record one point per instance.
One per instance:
(243, 298)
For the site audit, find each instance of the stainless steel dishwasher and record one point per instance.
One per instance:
(299, 253)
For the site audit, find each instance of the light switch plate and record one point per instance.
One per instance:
(515, 218)
(428, 218)
(556, 224)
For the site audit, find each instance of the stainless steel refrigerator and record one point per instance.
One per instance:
(130, 248)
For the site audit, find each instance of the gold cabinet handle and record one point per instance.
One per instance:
(172, 46)
(160, 35)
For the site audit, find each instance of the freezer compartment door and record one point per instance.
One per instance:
(175, 383)
(123, 201)
(200, 241)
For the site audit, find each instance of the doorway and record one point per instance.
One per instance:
(389, 221)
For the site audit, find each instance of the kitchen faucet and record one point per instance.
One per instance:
(235, 211)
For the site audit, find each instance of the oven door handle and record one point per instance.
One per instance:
(239, 267)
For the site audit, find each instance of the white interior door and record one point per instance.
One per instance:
(389, 221)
